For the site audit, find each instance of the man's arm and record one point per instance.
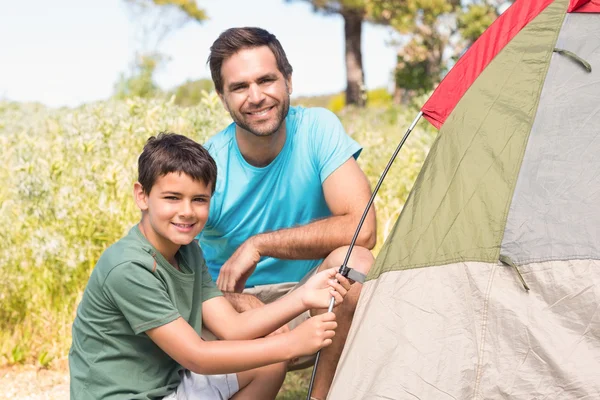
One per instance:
(181, 342)
(347, 193)
(242, 302)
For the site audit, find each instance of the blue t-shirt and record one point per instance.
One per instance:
(286, 193)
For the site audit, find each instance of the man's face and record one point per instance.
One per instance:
(176, 210)
(254, 91)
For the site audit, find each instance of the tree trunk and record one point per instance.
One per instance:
(355, 89)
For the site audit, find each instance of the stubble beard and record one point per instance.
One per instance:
(267, 130)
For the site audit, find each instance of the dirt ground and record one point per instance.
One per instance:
(31, 383)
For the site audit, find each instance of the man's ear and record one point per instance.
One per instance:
(140, 196)
(288, 84)
(223, 101)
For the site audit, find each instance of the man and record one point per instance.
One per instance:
(289, 191)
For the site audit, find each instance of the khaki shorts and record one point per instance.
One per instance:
(270, 293)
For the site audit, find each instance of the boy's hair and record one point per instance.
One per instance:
(170, 152)
(235, 39)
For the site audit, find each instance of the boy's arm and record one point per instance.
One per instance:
(219, 316)
(181, 342)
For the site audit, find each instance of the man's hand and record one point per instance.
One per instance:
(236, 271)
(317, 291)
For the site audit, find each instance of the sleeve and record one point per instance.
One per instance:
(209, 289)
(140, 296)
(332, 146)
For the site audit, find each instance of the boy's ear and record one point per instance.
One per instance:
(140, 196)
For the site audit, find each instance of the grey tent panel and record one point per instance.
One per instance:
(555, 211)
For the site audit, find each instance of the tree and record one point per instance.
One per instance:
(435, 31)
(141, 81)
(354, 13)
(156, 19)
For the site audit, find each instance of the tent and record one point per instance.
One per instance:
(488, 286)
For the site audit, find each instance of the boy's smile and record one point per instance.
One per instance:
(174, 212)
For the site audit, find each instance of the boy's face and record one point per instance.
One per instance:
(255, 92)
(175, 211)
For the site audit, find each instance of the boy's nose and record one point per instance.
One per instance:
(186, 209)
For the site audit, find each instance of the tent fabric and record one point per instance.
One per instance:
(591, 7)
(509, 190)
(584, 6)
(471, 170)
(439, 106)
(470, 331)
(554, 215)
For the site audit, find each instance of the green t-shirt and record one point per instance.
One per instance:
(131, 290)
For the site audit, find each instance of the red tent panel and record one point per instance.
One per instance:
(575, 4)
(476, 59)
(587, 6)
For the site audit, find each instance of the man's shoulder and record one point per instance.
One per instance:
(215, 144)
(313, 114)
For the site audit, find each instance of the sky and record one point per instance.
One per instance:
(69, 52)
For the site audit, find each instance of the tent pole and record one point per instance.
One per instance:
(344, 266)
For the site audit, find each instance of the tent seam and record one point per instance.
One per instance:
(479, 370)
(528, 134)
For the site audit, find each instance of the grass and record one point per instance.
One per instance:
(295, 385)
(66, 196)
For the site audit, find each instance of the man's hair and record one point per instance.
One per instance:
(170, 152)
(235, 39)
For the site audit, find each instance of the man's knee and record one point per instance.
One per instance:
(361, 259)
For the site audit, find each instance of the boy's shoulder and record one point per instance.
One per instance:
(130, 249)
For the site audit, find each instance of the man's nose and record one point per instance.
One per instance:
(255, 94)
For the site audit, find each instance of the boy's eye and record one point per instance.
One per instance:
(170, 198)
(200, 200)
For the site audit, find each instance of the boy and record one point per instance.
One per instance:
(136, 333)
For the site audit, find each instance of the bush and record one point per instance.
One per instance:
(67, 195)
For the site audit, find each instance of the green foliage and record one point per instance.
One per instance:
(67, 196)
(45, 359)
(376, 98)
(191, 92)
(189, 8)
(337, 103)
(17, 356)
(475, 20)
(141, 81)
(433, 29)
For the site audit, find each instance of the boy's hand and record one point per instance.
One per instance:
(317, 291)
(313, 334)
